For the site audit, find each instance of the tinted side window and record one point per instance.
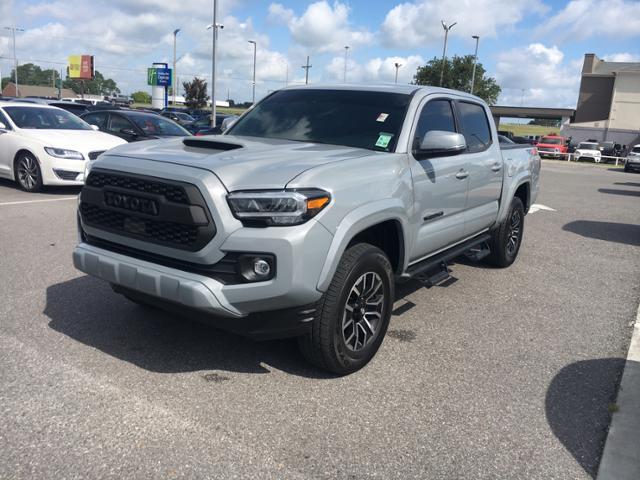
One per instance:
(436, 115)
(475, 126)
(97, 119)
(118, 123)
(4, 120)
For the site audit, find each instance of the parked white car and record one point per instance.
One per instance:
(43, 145)
(588, 151)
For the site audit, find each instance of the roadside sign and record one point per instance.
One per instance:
(160, 77)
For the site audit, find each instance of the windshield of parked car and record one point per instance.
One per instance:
(157, 125)
(45, 118)
(588, 146)
(551, 141)
(359, 119)
(635, 149)
(185, 116)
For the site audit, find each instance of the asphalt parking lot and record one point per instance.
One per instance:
(500, 374)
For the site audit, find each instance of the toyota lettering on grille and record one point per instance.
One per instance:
(131, 202)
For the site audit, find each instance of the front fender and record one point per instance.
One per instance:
(356, 221)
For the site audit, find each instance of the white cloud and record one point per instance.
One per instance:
(547, 81)
(417, 23)
(322, 27)
(582, 19)
(375, 70)
(622, 57)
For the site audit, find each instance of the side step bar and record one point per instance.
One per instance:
(436, 262)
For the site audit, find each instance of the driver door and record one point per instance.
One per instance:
(7, 147)
(440, 185)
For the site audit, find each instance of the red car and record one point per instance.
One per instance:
(553, 146)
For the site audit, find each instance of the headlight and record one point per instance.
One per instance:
(556, 150)
(277, 208)
(62, 153)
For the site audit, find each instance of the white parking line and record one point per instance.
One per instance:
(39, 201)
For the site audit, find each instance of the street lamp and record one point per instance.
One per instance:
(444, 51)
(255, 47)
(475, 61)
(397, 65)
(346, 51)
(15, 58)
(175, 75)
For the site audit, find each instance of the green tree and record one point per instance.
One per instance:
(141, 97)
(457, 75)
(98, 86)
(195, 93)
(31, 74)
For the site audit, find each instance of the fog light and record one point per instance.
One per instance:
(256, 267)
(261, 268)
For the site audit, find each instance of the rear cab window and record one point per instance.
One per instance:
(475, 126)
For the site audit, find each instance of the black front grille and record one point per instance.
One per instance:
(164, 212)
(161, 232)
(94, 155)
(170, 192)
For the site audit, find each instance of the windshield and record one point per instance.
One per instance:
(157, 125)
(636, 150)
(588, 146)
(370, 120)
(551, 141)
(185, 116)
(45, 118)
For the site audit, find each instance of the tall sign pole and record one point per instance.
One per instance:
(306, 73)
(214, 28)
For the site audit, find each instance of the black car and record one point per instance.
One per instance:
(179, 117)
(76, 108)
(610, 149)
(204, 123)
(134, 126)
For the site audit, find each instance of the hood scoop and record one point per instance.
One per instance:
(210, 144)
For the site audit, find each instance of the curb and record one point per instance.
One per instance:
(621, 455)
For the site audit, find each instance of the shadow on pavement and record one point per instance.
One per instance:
(71, 190)
(612, 232)
(87, 310)
(627, 184)
(626, 193)
(577, 407)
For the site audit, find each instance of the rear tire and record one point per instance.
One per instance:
(507, 237)
(26, 172)
(353, 314)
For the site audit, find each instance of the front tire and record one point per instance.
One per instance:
(27, 172)
(507, 237)
(353, 315)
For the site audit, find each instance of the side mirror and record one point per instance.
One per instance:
(440, 143)
(128, 131)
(95, 127)
(227, 124)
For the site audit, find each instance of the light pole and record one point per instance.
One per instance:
(214, 27)
(255, 47)
(306, 71)
(346, 52)
(475, 61)
(15, 58)
(175, 74)
(444, 51)
(397, 65)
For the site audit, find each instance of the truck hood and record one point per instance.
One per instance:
(241, 163)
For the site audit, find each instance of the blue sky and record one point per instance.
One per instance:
(534, 48)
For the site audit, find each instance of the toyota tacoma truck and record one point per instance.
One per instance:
(300, 218)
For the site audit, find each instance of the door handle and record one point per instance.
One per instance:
(496, 167)
(462, 174)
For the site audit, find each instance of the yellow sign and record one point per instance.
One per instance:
(81, 67)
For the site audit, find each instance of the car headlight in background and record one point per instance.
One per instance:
(63, 153)
(556, 150)
(277, 208)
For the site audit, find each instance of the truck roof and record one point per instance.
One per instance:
(380, 87)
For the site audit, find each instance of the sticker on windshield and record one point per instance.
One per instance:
(384, 139)
(382, 117)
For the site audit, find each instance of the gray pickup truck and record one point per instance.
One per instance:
(300, 219)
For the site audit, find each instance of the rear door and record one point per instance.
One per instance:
(440, 184)
(485, 165)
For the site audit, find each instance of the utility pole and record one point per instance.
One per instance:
(255, 47)
(444, 51)
(15, 58)
(60, 86)
(346, 51)
(306, 73)
(175, 74)
(475, 61)
(397, 65)
(286, 75)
